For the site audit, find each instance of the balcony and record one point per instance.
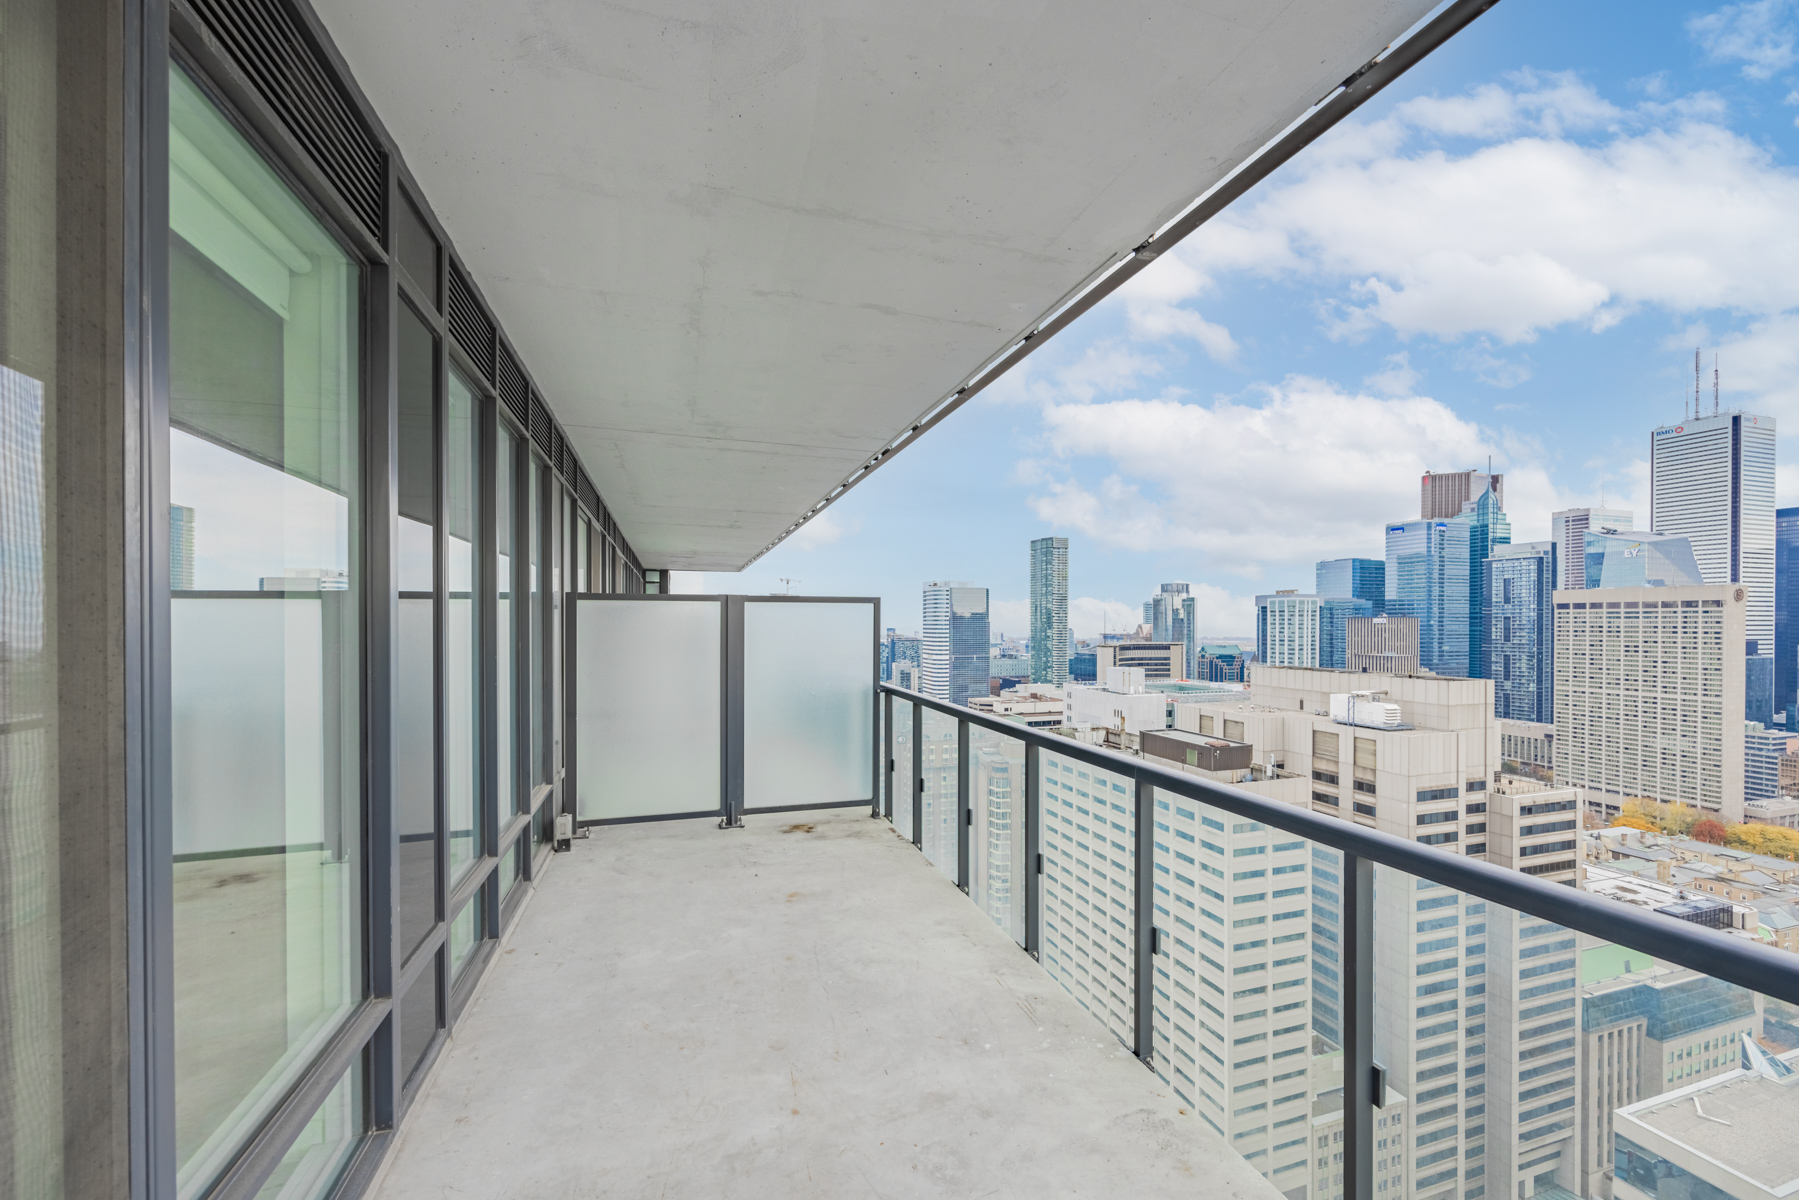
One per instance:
(801, 1007)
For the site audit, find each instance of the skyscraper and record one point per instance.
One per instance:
(1568, 529)
(1442, 495)
(1287, 630)
(1167, 623)
(1654, 670)
(1520, 631)
(1334, 613)
(1049, 611)
(181, 547)
(1360, 578)
(1487, 529)
(1427, 578)
(1190, 624)
(1786, 614)
(1712, 479)
(954, 654)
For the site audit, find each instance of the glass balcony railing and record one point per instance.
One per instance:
(1357, 1014)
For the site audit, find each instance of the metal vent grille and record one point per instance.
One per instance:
(558, 451)
(514, 392)
(470, 326)
(590, 498)
(540, 426)
(269, 47)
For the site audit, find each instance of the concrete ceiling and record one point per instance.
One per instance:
(741, 246)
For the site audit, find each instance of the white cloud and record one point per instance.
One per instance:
(1010, 617)
(1396, 378)
(1658, 207)
(1759, 34)
(1090, 618)
(826, 529)
(1311, 472)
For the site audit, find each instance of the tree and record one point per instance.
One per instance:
(1633, 821)
(1708, 830)
(1771, 840)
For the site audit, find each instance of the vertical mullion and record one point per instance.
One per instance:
(1033, 854)
(1358, 1028)
(440, 643)
(964, 814)
(381, 603)
(487, 584)
(876, 777)
(1143, 892)
(521, 634)
(918, 774)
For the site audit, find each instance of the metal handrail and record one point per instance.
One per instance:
(1750, 965)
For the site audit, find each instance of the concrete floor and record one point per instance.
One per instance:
(800, 1008)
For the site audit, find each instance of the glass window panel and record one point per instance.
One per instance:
(31, 916)
(632, 659)
(315, 1162)
(903, 787)
(506, 685)
(418, 1020)
(996, 866)
(465, 933)
(808, 704)
(415, 692)
(264, 650)
(511, 867)
(939, 826)
(1089, 921)
(462, 648)
(583, 541)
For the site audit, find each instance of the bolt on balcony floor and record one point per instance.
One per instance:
(803, 1007)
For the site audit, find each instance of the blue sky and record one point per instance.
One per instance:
(1512, 252)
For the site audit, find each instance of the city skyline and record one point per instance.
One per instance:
(1324, 405)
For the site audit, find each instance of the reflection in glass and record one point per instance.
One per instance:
(315, 1162)
(418, 1020)
(939, 827)
(462, 650)
(903, 787)
(506, 674)
(31, 916)
(415, 691)
(264, 650)
(996, 846)
(465, 935)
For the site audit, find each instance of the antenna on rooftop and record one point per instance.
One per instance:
(1714, 383)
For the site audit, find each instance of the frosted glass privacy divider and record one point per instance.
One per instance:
(648, 688)
(808, 702)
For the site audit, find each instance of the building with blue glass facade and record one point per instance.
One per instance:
(1333, 623)
(1360, 578)
(955, 656)
(1786, 614)
(1487, 530)
(1520, 616)
(1427, 578)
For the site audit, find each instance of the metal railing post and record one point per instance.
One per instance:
(1143, 889)
(884, 799)
(1358, 1028)
(1033, 855)
(964, 814)
(918, 774)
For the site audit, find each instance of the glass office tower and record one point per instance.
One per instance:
(1427, 578)
(1049, 611)
(1358, 578)
(1487, 529)
(1786, 614)
(1521, 582)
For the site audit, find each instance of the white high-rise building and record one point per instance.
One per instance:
(1569, 528)
(955, 650)
(1712, 480)
(1649, 694)
(1287, 633)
